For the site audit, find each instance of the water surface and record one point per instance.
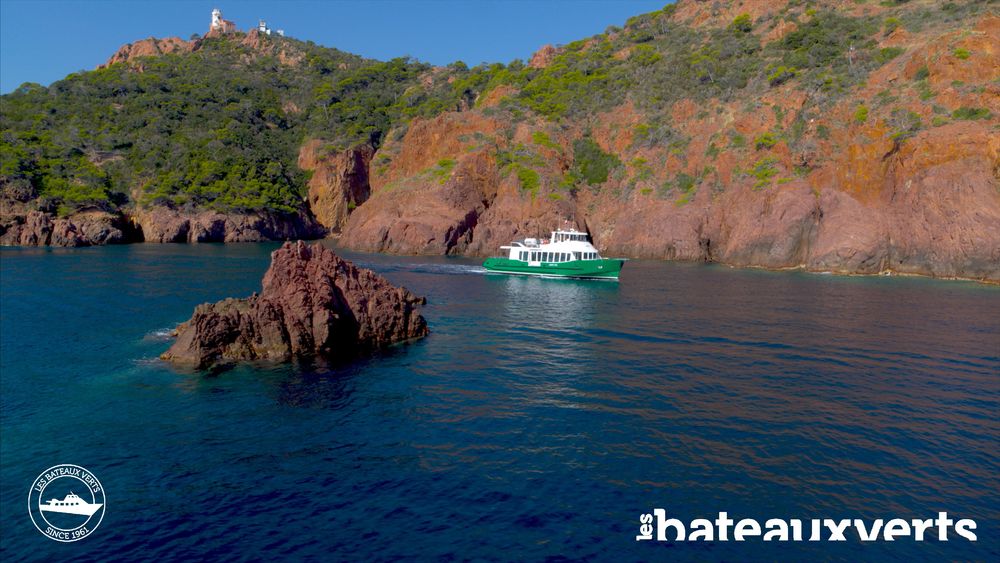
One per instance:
(538, 420)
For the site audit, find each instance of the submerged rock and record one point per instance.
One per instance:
(313, 304)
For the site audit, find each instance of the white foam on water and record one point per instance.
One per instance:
(159, 335)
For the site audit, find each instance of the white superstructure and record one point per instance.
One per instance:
(565, 245)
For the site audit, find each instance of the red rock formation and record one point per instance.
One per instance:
(162, 224)
(543, 57)
(313, 304)
(849, 195)
(339, 182)
(150, 48)
(24, 222)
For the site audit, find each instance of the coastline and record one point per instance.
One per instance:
(335, 238)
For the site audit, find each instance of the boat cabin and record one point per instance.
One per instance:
(563, 246)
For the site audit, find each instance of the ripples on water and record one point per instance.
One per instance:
(539, 419)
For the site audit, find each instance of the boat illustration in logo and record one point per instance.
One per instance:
(71, 504)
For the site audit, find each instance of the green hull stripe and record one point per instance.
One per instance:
(606, 268)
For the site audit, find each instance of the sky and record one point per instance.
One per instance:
(44, 40)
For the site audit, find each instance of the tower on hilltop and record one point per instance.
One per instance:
(220, 25)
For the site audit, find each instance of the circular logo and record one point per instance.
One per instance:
(66, 503)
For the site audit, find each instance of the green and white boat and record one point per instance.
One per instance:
(567, 254)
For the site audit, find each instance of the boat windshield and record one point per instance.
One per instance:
(561, 236)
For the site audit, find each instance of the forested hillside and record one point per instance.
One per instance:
(763, 133)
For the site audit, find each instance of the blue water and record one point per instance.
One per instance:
(538, 421)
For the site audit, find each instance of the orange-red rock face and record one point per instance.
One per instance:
(150, 48)
(339, 181)
(852, 196)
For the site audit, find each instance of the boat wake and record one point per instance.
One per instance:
(159, 335)
(446, 269)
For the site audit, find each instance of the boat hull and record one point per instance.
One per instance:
(607, 268)
(82, 509)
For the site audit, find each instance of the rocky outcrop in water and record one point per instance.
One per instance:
(27, 221)
(313, 304)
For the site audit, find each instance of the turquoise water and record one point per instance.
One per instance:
(538, 421)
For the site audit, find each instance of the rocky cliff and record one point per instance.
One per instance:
(853, 137)
(339, 181)
(898, 176)
(313, 304)
(163, 224)
(150, 47)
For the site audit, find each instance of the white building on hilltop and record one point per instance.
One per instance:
(220, 25)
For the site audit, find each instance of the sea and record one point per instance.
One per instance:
(539, 421)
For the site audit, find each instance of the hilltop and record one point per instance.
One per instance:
(851, 136)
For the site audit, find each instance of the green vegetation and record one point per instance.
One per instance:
(971, 113)
(904, 123)
(780, 75)
(529, 179)
(592, 164)
(742, 23)
(764, 171)
(541, 138)
(221, 127)
(861, 113)
(214, 128)
(442, 171)
(886, 54)
(922, 73)
(765, 140)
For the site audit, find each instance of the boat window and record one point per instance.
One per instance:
(534, 256)
(564, 257)
(576, 255)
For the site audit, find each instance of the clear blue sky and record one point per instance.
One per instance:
(44, 40)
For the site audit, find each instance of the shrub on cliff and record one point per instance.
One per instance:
(591, 163)
(742, 23)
